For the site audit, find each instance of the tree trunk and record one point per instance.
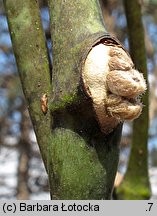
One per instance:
(136, 183)
(80, 159)
(80, 152)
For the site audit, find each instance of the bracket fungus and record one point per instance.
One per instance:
(113, 84)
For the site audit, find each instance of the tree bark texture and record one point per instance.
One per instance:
(76, 26)
(136, 183)
(81, 161)
(82, 158)
(31, 58)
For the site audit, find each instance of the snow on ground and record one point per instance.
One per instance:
(40, 196)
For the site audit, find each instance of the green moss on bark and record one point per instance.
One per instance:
(77, 171)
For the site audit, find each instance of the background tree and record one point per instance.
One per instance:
(136, 184)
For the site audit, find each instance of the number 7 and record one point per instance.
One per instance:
(151, 204)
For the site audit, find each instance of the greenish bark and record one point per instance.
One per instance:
(81, 161)
(75, 26)
(136, 183)
(84, 161)
(31, 58)
(151, 2)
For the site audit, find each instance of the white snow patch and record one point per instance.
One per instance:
(40, 196)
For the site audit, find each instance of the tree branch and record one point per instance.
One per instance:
(31, 57)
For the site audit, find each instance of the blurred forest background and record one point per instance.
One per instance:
(22, 174)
